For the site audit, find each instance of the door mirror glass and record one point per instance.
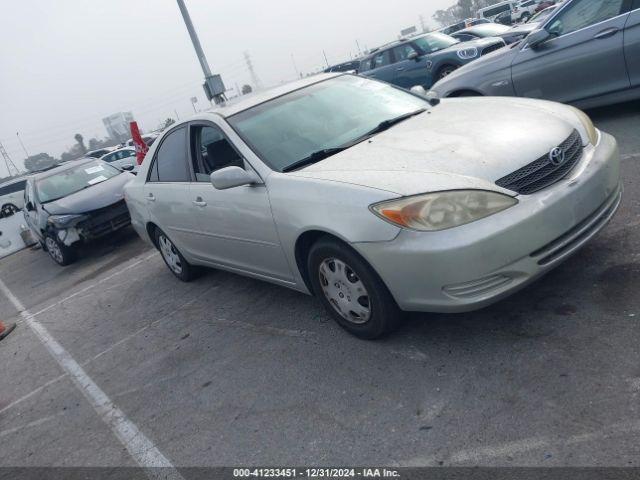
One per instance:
(29, 207)
(538, 38)
(232, 177)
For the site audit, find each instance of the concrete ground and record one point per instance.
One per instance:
(232, 371)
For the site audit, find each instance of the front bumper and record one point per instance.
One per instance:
(472, 266)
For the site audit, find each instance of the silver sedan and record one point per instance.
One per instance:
(376, 200)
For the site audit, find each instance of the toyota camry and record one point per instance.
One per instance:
(375, 199)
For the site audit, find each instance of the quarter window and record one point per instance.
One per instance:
(584, 13)
(211, 151)
(171, 160)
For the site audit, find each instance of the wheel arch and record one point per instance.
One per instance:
(465, 92)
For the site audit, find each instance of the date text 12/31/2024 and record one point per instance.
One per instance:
(315, 473)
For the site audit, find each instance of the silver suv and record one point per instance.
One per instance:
(587, 54)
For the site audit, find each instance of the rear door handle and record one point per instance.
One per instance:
(198, 202)
(609, 32)
(151, 198)
(399, 69)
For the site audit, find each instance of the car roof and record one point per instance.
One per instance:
(246, 102)
(61, 168)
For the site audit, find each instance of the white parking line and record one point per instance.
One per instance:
(143, 450)
(479, 456)
(95, 284)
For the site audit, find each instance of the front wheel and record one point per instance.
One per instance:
(59, 252)
(351, 290)
(446, 71)
(8, 210)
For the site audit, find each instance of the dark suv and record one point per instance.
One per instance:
(425, 59)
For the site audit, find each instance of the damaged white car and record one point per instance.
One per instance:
(75, 202)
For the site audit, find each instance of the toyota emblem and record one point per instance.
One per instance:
(557, 156)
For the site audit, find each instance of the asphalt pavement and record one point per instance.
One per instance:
(232, 371)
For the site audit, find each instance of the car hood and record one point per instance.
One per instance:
(524, 29)
(461, 143)
(97, 196)
(479, 43)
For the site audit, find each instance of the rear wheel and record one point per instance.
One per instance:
(58, 251)
(173, 258)
(351, 290)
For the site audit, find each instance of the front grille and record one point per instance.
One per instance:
(105, 220)
(493, 48)
(542, 173)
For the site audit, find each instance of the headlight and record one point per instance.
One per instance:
(592, 132)
(65, 221)
(468, 53)
(432, 212)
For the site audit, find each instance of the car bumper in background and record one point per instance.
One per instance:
(472, 266)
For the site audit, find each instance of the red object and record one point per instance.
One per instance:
(141, 147)
(6, 329)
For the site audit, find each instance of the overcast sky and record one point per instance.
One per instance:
(66, 64)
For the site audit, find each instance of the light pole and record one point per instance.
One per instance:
(22, 144)
(213, 86)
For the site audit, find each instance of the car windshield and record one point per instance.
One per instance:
(72, 180)
(433, 42)
(489, 30)
(327, 115)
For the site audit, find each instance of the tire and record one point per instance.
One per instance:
(59, 252)
(525, 18)
(446, 71)
(337, 274)
(8, 209)
(173, 259)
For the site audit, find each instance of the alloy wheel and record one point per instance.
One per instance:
(170, 254)
(344, 290)
(54, 250)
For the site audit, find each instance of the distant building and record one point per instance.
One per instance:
(117, 125)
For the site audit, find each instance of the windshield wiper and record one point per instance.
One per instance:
(314, 157)
(387, 124)
(327, 152)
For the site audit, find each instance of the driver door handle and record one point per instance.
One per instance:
(151, 198)
(399, 69)
(198, 202)
(609, 32)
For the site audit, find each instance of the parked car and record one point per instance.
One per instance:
(350, 66)
(524, 10)
(504, 18)
(11, 196)
(75, 202)
(101, 152)
(375, 199)
(546, 4)
(492, 11)
(508, 34)
(587, 53)
(123, 158)
(469, 22)
(148, 138)
(424, 59)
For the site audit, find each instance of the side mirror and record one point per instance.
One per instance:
(232, 177)
(537, 38)
(413, 56)
(431, 96)
(29, 207)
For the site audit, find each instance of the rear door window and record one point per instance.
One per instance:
(382, 59)
(170, 164)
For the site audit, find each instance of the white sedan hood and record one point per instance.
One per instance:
(461, 143)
